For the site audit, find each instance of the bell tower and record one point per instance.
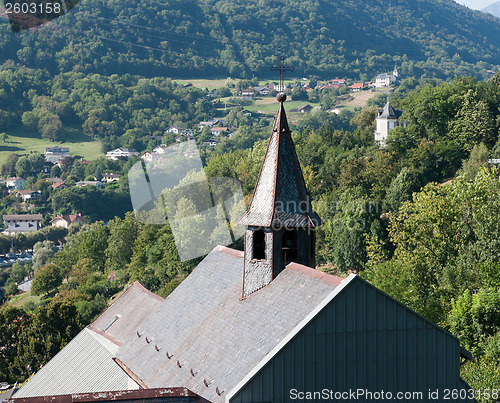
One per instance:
(280, 222)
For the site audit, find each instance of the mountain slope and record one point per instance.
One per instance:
(493, 9)
(242, 38)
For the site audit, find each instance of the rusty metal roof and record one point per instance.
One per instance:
(280, 198)
(152, 395)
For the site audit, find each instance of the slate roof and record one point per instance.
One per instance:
(122, 318)
(389, 112)
(22, 217)
(280, 198)
(84, 365)
(212, 336)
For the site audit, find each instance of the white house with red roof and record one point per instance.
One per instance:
(64, 221)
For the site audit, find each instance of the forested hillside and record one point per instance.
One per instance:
(436, 38)
(418, 218)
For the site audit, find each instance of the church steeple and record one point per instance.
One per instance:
(280, 221)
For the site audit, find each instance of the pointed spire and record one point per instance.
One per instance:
(280, 198)
(388, 112)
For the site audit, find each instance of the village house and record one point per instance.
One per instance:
(121, 153)
(21, 223)
(209, 123)
(357, 87)
(60, 185)
(11, 219)
(183, 136)
(173, 129)
(263, 91)
(306, 109)
(15, 183)
(247, 94)
(28, 195)
(339, 81)
(110, 177)
(217, 131)
(213, 93)
(54, 154)
(148, 156)
(386, 80)
(82, 184)
(211, 142)
(64, 221)
(162, 149)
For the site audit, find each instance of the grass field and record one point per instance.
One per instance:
(204, 83)
(23, 141)
(21, 299)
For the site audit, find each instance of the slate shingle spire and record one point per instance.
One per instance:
(280, 220)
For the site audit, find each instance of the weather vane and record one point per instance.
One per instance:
(282, 68)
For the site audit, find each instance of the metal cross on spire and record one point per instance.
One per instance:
(282, 68)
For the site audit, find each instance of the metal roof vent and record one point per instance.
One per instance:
(207, 383)
(157, 348)
(219, 392)
(139, 334)
(110, 323)
(148, 340)
(179, 364)
(193, 372)
(169, 356)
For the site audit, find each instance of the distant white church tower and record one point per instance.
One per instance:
(387, 120)
(395, 72)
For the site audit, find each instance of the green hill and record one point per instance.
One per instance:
(189, 38)
(493, 9)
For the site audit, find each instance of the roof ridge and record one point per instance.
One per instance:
(311, 272)
(229, 251)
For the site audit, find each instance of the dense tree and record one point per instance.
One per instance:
(24, 167)
(122, 236)
(42, 252)
(475, 318)
(46, 331)
(12, 322)
(446, 242)
(46, 280)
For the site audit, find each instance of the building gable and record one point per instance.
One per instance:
(360, 339)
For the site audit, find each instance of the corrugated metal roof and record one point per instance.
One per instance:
(204, 334)
(84, 365)
(280, 198)
(126, 313)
